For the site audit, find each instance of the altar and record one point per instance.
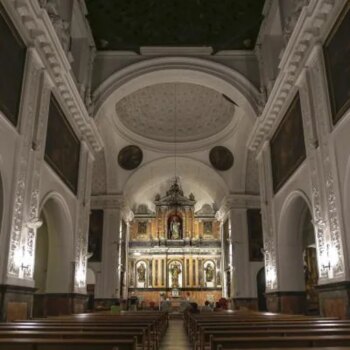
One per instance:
(175, 251)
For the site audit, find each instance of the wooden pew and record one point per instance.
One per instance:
(142, 333)
(270, 342)
(152, 335)
(66, 344)
(145, 327)
(86, 332)
(283, 332)
(256, 330)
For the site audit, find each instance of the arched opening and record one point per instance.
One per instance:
(310, 265)
(297, 254)
(261, 286)
(41, 257)
(90, 288)
(53, 268)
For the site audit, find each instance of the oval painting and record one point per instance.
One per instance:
(130, 157)
(221, 158)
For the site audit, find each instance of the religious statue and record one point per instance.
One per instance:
(209, 273)
(141, 273)
(175, 271)
(175, 228)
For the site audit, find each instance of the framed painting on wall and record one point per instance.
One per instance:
(287, 145)
(12, 62)
(62, 149)
(337, 58)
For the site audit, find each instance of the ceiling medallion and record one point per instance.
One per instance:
(130, 157)
(221, 158)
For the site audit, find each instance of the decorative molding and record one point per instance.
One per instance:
(18, 238)
(332, 222)
(306, 33)
(108, 201)
(270, 250)
(237, 201)
(40, 30)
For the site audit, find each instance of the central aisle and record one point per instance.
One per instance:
(175, 337)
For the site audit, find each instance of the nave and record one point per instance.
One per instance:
(175, 337)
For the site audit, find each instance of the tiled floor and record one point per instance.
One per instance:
(175, 337)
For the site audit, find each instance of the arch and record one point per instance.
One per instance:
(178, 69)
(189, 70)
(60, 244)
(290, 241)
(156, 176)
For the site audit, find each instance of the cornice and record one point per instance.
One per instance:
(108, 201)
(237, 201)
(113, 201)
(306, 32)
(41, 32)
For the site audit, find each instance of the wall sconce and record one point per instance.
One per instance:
(34, 223)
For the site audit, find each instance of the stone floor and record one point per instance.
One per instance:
(175, 337)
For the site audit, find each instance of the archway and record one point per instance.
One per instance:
(261, 286)
(90, 288)
(53, 269)
(310, 265)
(297, 254)
(41, 257)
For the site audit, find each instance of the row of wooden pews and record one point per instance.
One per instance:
(252, 330)
(97, 331)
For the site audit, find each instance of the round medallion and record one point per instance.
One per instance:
(221, 158)
(130, 157)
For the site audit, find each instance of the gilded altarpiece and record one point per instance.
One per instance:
(174, 250)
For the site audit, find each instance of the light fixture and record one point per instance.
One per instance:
(34, 223)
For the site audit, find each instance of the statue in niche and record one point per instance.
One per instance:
(175, 228)
(175, 271)
(208, 227)
(209, 273)
(142, 227)
(141, 273)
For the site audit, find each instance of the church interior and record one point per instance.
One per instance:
(171, 166)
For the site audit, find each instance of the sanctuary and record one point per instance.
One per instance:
(175, 251)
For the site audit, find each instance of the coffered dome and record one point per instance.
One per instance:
(189, 111)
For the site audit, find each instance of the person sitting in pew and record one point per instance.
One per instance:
(206, 307)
